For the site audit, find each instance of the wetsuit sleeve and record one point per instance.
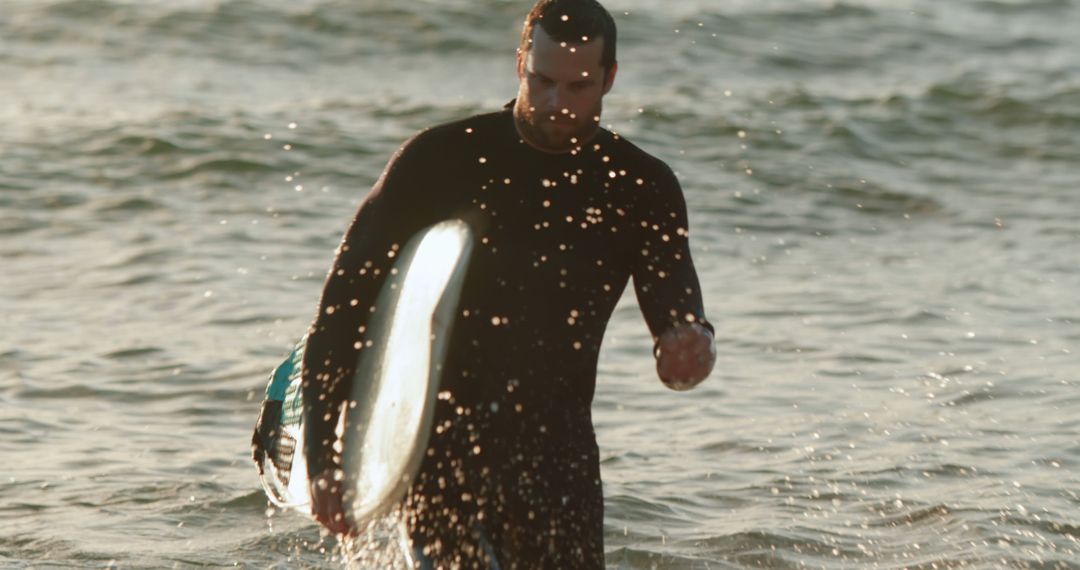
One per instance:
(665, 280)
(398, 206)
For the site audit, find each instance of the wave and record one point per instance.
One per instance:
(872, 198)
(134, 352)
(981, 395)
(132, 144)
(780, 548)
(11, 225)
(118, 170)
(257, 33)
(974, 96)
(891, 516)
(1005, 7)
(632, 508)
(639, 557)
(26, 549)
(728, 446)
(128, 204)
(220, 164)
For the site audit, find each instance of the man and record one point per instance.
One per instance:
(564, 213)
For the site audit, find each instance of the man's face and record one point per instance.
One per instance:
(560, 92)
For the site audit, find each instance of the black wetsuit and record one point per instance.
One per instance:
(558, 236)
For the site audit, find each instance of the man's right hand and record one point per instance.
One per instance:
(327, 504)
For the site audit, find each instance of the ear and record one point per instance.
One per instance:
(609, 78)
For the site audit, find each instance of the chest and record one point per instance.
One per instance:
(555, 222)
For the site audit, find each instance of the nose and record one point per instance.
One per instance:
(559, 97)
(560, 100)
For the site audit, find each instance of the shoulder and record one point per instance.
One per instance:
(649, 183)
(651, 170)
(448, 138)
(434, 158)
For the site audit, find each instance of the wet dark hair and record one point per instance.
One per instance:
(569, 21)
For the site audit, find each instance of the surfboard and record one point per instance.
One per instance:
(395, 386)
(282, 473)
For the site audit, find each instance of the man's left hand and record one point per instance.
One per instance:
(685, 356)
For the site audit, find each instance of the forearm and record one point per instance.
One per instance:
(339, 332)
(329, 363)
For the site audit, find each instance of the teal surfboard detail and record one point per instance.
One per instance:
(286, 373)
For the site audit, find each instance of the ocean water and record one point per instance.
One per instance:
(884, 201)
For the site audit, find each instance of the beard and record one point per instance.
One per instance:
(560, 135)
